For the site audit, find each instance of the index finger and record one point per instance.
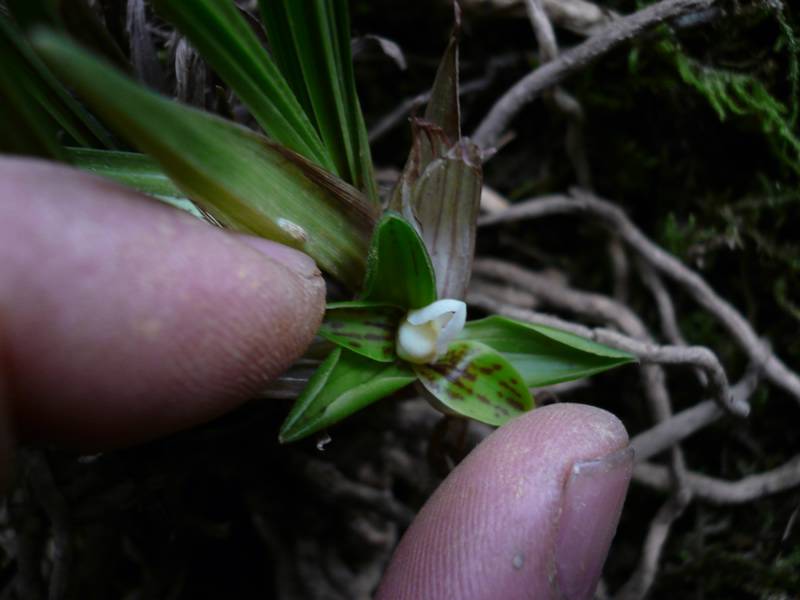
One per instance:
(124, 319)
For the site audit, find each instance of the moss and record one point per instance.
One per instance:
(742, 94)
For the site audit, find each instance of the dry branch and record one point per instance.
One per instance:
(604, 309)
(720, 491)
(642, 579)
(612, 35)
(564, 102)
(672, 431)
(615, 219)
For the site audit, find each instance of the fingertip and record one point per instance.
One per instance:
(129, 319)
(298, 262)
(494, 526)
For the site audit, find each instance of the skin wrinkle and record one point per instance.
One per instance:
(115, 295)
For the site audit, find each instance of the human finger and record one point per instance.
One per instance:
(529, 514)
(123, 319)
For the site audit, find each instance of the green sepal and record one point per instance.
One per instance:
(366, 328)
(544, 355)
(473, 380)
(344, 384)
(399, 270)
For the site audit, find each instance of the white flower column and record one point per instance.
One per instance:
(426, 332)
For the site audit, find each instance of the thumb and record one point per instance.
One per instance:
(530, 513)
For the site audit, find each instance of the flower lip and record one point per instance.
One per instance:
(426, 332)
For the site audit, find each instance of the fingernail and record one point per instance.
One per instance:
(297, 261)
(591, 506)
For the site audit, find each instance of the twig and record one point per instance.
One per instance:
(543, 29)
(596, 307)
(642, 579)
(615, 219)
(399, 114)
(647, 352)
(564, 102)
(546, 76)
(491, 201)
(666, 309)
(638, 340)
(720, 491)
(578, 16)
(666, 434)
(620, 268)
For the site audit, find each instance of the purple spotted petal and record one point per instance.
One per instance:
(366, 328)
(473, 380)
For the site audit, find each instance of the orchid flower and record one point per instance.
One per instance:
(399, 333)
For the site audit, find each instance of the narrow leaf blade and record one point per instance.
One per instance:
(229, 45)
(473, 380)
(73, 16)
(39, 100)
(240, 178)
(136, 171)
(344, 384)
(544, 355)
(399, 270)
(366, 328)
(443, 108)
(318, 43)
(281, 43)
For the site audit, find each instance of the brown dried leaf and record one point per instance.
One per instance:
(446, 202)
(443, 108)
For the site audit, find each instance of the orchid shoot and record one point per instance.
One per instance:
(409, 323)
(309, 183)
(399, 333)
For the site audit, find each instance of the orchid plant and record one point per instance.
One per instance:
(308, 182)
(399, 333)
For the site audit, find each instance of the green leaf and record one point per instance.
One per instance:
(227, 42)
(399, 270)
(278, 26)
(242, 179)
(75, 17)
(136, 171)
(344, 383)
(311, 43)
(366, 328)
(544, 355)
(34, 105)
(25, 128)
(473, 380)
